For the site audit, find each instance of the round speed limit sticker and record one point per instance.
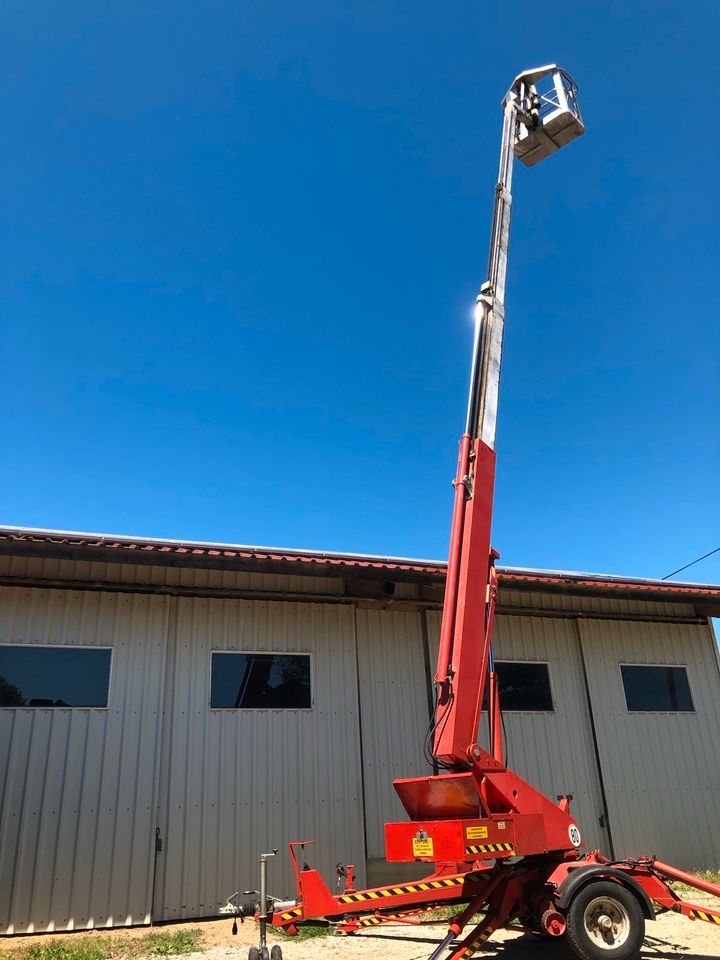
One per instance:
(574, 835)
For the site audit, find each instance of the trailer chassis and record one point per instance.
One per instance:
(593, 901)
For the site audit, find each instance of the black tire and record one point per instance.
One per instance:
(254, 953)
(276, 953)
(605, 922)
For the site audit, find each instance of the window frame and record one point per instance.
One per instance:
(65, 646)
(267, 653)
(682, 666)
(536, 663)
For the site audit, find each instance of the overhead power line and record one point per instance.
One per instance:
(692, 563)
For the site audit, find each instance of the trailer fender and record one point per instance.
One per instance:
(576, 879)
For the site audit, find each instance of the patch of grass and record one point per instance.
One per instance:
(158, 943)
(307, 931)
(161, 944)
(442, 914)
(85, 948)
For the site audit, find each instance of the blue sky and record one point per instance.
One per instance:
(242, 245)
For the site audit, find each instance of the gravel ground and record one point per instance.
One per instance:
(670, 936)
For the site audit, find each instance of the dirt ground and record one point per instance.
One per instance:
(670, 936)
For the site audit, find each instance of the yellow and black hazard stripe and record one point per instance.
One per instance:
(478, 941)
(490, 848)
(400, 891)
(374, 921)
(292, 914)
(707, 917)
(383, 918)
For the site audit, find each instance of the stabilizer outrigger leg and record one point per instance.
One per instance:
(499, 900)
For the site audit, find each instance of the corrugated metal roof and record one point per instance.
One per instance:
(544, 578)
(189, 551)
(198, 548)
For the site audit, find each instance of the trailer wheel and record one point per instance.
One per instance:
(605, 922)
(254, 953)
(276, 953)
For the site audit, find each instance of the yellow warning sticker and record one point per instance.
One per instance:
(423, 848)
(476, 833)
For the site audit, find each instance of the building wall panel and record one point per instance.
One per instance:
(394, 713)
(237, 783)
(82, 791)
(79, 785)
(661, 770)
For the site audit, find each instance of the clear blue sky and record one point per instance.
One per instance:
(242, 241)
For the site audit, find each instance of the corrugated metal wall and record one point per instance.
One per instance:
(78, 787)
(394, 713)
(239, 783)
(82, 791)
(661, 770)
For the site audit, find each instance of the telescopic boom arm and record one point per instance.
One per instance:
(534, 125)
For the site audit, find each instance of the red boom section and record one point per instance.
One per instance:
(481, 800)
(464, 636)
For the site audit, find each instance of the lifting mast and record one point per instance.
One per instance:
(480, 792)
(501, 850)
(534, 125)
(463, 656)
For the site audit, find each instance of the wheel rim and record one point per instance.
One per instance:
(607, 923)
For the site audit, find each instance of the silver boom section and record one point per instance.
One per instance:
(537, 120)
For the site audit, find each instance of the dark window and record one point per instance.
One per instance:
(260, 681)
(524, 686)
(656, 689)
(53, 676)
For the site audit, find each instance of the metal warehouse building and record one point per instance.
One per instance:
(170, 710)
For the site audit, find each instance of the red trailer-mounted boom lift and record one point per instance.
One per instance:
(494, 845)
